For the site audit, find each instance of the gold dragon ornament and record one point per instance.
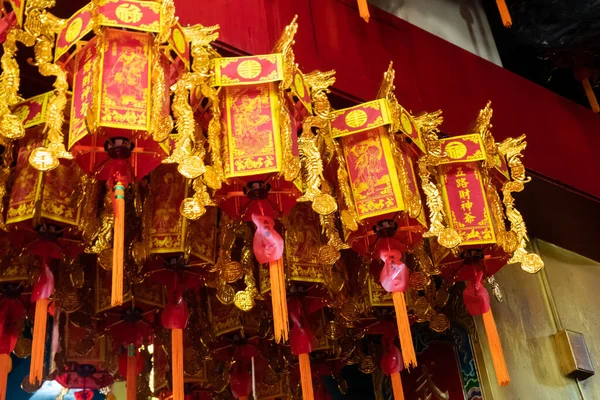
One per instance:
(190, 150)
(308, 144)
(44, 26)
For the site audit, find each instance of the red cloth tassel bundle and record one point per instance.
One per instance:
(394, 279)
(268, 248)
(175, 317)
(477, 301)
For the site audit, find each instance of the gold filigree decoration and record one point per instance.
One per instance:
(102, 239)
(483, 126)
(161, 125)
(291, 164)
(5, 170)
(512, 148)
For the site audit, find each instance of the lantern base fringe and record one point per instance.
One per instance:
(244, 398)
(177, 363)
(496, 349)
(504, 14)
(406, 342)
(589, 92)
(397, 386)
(116, 298)
(5, 366)
(363, 10)
(306, 377)
(131, 373)
(281, 324)
(36, 370)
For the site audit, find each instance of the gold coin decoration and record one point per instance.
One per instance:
(406, 124)
(232, 272)
(441, 297)
(30, 387)
(350, 311)
(105, 259)
(367, 365)
(139, 252)
(439, 323)
(421, 308)
(328, 255)
(532, 263)
(191, 208)
(69, 301)
(418, 280)
(449, 238)
(244, 301)
(226, 294)
(210, 178)
(42, 159)
(77, 277)
(334, 280)
(191, 167)
(324, 204)
(23, 348)
(348, 220)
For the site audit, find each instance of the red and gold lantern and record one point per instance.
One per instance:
(120, 118)
(383, 213)
(472, 170)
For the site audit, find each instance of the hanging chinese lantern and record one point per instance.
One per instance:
(260, 162)
(383, 214)
(472, 170)
(44, 212)
(120, 119)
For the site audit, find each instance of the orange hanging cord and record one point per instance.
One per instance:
(363, 10)
(504, 14)
(496, 349)
(406, 342)
(36, 370)
(281, 323)
(589, 92)
(131, 372)
(306, 377)
(118, 245)
(5, 367)
(177, 363)
(397, 386)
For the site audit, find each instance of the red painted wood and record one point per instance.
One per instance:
(430, 74)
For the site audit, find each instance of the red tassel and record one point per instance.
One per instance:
(496, 349)
(363, 10)
(397, 386)
(589, 92)
(132, 373)
(5, 367)
(504, 14)
(118, 244)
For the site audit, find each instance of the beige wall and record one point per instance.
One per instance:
(460, 22)
(527, 321)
